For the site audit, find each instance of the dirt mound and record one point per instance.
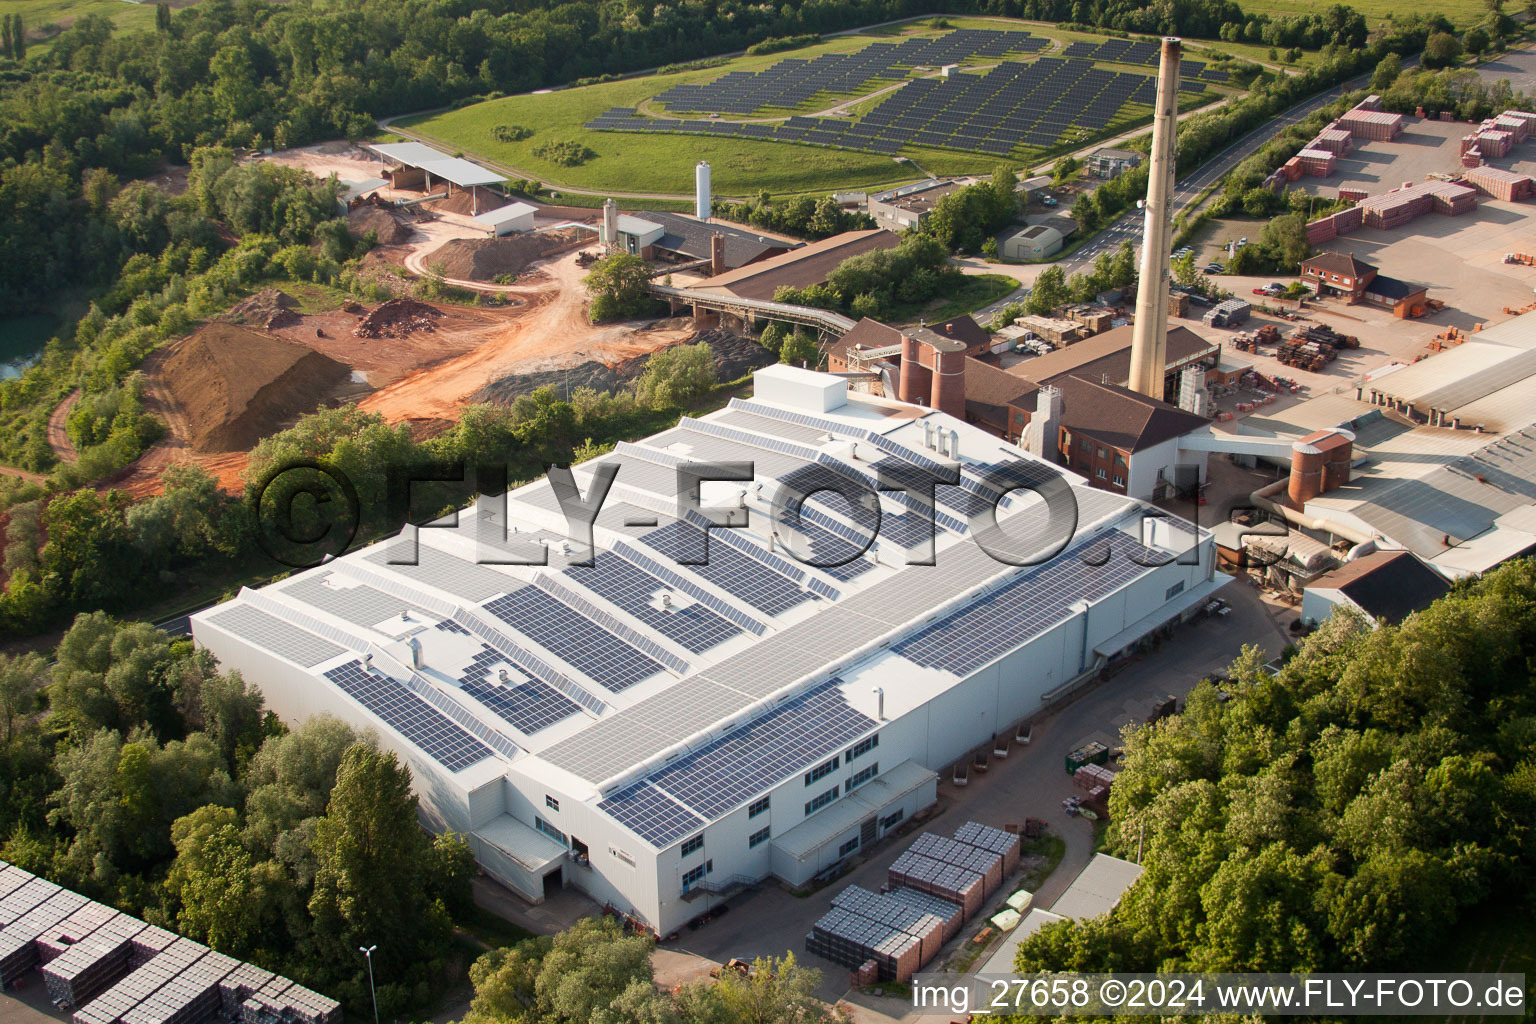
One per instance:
(267, 308)
(485, 259)
(735, 356)
(397, 318)
(390, 230)
(233, 386)
(462, 202)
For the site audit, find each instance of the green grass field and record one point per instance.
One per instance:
(644, 163)
(45, 18)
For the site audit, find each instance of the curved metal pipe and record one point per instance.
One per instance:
(1264, 498)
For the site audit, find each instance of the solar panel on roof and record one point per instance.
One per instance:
(426, 727)
(727, 568)
(526, 703)
(629, 587)
(651, 814)
(603, 657)
(273, 634)
(754, 758)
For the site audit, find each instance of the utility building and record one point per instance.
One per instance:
(659, 724)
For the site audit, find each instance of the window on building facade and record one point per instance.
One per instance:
(548, 829)
(848, 847)
(757, 807)
(1119, 480)
(1177, 588)
(694, 874)
(1099, 473)
(862, 747)
(551, 802)
(757, 838)
(862, 777)
(693, 844)
(812, 806)
(821, 771)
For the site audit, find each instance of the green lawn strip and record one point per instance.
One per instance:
(978, 290)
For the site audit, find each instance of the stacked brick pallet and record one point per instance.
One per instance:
(109, 968)
(1494, 144)
(1368, 121)
(1092, 775)
(93, 963)
(1398, 207)
(25, 914)
(952, 914)
(77, 927)
(927, 928)
(994, 840)
(946, 881)
(1317, 163)
(1505, 185)
(988, 865)
(1352, 191)
(1337, 141)
(851, 939)
(281, 1001)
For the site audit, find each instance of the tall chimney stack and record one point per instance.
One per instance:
(1149, 344)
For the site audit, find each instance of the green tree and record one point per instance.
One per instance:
(676, 376)
(827, 220)
(800, 349)
(776, 991)
(1049, 292)
(22, 678)
(1441, 50)
(162, 17)
(772, 337)
(1387, 70)
(620, 287)
(1476, 40)
(369, 843)
(18, 37)
(211, 881)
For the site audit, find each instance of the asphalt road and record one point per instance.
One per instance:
(1129, 227)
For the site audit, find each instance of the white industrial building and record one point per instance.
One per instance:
(651, 731)
(514, 218)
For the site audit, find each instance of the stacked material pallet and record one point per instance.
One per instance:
(148, 944)
(239, 985)
(995, 840)
(1371, 102)
(1376, 125)
(281, 1001)
(940, 848)
(946, 881)
(1092, 775)
(1317, 163)
(1505, 185)
(1472, 158)
(91, 964)
(1337, 141)
(1494, 143)
(109, 968)
(851, 939)
(1519, 127)
(952, 914)
(927, 928)
(867, 974)
(1292, 169)
(1318, 232)
(189, 997)
(1398, 207)
(144, 981)
(18, 941)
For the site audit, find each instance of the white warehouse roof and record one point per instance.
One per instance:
(664, 695)
(503, 214)
(461, 172)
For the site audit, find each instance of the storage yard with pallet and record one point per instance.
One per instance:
(105, 967)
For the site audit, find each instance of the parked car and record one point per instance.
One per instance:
(1242, 241)
(1047, 201)
(1214, 268)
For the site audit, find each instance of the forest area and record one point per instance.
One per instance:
(1352, 813)
(137, 773)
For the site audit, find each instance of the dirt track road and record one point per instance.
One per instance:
(553, 333)
(58, 433)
